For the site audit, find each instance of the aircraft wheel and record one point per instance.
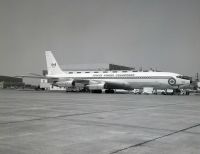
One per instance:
(109, 91)
(176, 92)
(96, 91)
(187, 93)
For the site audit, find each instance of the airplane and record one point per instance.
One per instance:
(96, 81)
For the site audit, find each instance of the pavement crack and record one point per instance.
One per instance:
(154, 139)
(38, 118)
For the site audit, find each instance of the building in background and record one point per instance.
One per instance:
(45, 85)
(1, 84)
(120, 67)
(91, 67)
(10, 82)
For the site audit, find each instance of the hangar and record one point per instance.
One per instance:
(10, 82)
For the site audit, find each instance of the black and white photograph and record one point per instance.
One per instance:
(99, 76)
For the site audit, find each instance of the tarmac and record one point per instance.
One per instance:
(81, 123)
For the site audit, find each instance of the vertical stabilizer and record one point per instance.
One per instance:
(52, 66)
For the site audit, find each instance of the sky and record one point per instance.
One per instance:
(162, 34)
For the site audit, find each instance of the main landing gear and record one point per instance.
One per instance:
(96, 91)
(109, 91)
(176, 92)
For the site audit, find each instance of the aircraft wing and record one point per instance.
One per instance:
(98, 84)
(34, 76)
(82, 81)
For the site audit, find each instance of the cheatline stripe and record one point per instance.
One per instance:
(134, 77)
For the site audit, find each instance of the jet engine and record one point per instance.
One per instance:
(70, 83)
(96, 86)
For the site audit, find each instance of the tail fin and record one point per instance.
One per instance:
(52, 66)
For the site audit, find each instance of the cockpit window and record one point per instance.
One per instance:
(184, 77)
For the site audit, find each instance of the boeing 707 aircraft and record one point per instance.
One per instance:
(96, 81)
